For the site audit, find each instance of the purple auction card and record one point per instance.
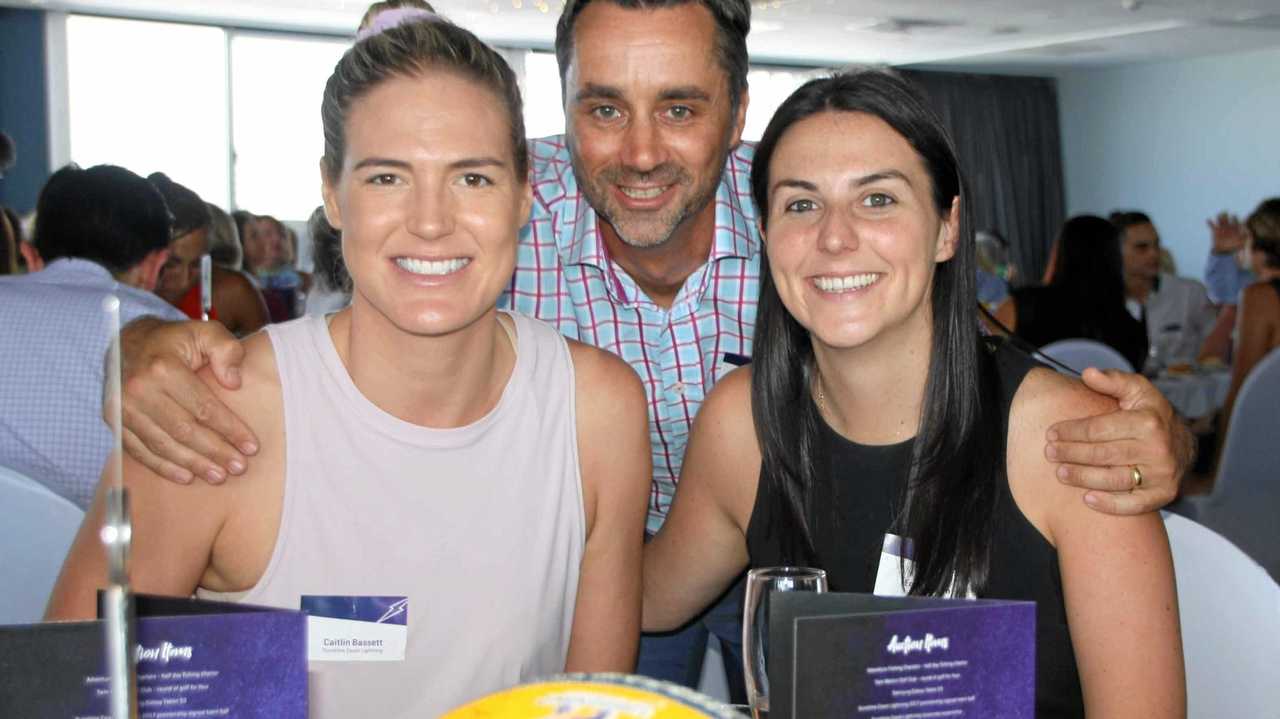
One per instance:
(862, 656)
(249, 663)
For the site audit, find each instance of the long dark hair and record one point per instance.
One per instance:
(1089, 268)
(949, 493)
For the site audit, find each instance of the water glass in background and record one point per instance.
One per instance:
(761, 584)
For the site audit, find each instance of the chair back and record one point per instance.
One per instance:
(35, 534)
(1230, 616)
(1080, 354)
(1245, 501)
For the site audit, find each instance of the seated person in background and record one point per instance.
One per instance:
(873, 405)
(8, 244)
(1083, 295)
(236, 298)
(283, 286)
(332, 289)
(1175, 310)
(236, 302)
(995, 271)
(1226, 272)
(1258, 317)
(103, 230)
(179, 282)
(474, 461)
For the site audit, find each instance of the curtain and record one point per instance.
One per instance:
(1006, 134)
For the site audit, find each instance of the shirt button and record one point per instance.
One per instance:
(678, 388)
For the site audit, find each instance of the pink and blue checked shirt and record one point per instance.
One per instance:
(564, 276)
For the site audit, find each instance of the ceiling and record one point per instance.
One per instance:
(998, 35)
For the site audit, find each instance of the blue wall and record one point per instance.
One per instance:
(23, 105)
(1179, 140)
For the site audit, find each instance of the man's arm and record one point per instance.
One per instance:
(173, 423)
(1099, 453)
(614, 458)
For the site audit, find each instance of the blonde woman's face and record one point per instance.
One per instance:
(429, 201)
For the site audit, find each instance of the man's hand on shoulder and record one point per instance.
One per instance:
(173, 423)
(1132, 459)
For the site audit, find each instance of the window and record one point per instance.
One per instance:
(150, 96)
(276, 86)
(543, 111)
(769, 87)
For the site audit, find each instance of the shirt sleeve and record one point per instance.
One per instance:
(1224, 279)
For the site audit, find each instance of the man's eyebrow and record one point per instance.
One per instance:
(381, 162)
(592, 91)
(468, 163)
(685, 92)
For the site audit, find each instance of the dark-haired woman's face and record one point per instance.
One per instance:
(853, 232)
(428, 201)
(181, 271)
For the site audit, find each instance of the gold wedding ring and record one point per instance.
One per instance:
(1137, 478)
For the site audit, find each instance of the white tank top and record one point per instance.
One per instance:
(480, 527)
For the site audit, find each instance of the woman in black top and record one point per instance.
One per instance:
(872, 405)
(1083, 295)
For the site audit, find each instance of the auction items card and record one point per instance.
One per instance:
(861, 656)
(239, 661)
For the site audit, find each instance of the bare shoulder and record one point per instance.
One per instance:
(1043, 399)
(1260, 294)
(595, 370)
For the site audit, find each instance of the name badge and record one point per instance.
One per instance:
(895, 557)
(356, 629)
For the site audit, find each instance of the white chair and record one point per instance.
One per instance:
(1080, 354)
(1245, 501)
(36, 529)
(713, 682)
(1230, 612)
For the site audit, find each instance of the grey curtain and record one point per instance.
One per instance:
(1006, 133)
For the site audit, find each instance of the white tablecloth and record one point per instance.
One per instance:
(1195, 395)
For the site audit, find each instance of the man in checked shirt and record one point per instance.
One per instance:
(643, 241)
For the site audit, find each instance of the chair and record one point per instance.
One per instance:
(1230, 615)
(1245, 501)
(35, 534)
(1079, 354)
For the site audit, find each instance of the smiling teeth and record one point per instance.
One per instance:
(844, 284)
(642, 193)
(428, 267)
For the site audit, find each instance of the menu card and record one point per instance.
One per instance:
(863, 656)
(195, 659)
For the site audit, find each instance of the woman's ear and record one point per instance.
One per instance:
(949, 233)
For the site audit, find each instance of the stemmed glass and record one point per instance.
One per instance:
(761, 584)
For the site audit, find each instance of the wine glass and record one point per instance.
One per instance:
(761, 584)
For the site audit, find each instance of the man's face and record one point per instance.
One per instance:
(1141, 251)
(649, 118)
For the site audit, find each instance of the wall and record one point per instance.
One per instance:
(23, 105)
(1179, 140)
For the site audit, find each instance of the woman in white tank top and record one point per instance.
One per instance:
(419, 444)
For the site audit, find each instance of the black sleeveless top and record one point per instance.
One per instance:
(858, 488)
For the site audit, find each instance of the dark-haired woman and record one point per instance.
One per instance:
(872, 406)
(1083, 294)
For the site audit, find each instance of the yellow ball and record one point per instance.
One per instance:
(596, 696)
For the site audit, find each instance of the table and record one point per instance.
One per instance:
(1197, 394)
